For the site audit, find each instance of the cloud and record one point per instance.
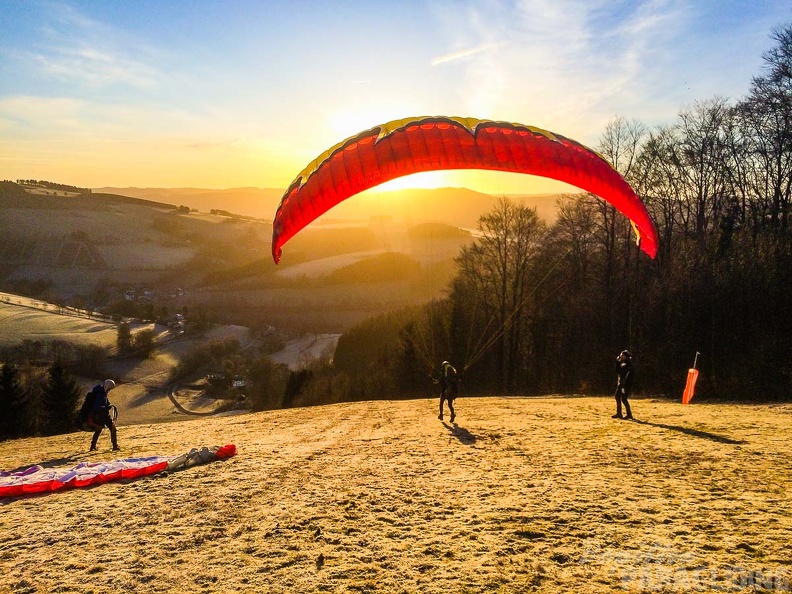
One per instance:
(96, 67)
(458, 55)
(30, 117)
(566, 64)
(81, 50)
(41, 112)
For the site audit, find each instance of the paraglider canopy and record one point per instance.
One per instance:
(413, 145)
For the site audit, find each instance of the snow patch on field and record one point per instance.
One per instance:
(299, 352)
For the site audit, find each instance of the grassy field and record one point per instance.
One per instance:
(520, 495)
(21, 319)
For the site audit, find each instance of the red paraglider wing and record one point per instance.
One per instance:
(402, 147)
(37, 479)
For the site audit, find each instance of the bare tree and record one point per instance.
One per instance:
(766, 118)
(498, 268)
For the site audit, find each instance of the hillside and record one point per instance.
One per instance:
(459, 207)
(253, 202)
(141, 393)
(101, 249)
(539, 495)
(22, 320)
(75, 243)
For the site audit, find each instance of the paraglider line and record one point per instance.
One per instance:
(495, 337)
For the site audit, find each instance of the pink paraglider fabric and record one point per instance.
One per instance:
(38, 479)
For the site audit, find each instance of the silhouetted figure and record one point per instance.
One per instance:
(100, 413)
(449, 388)
(625, 373)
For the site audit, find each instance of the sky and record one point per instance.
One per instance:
(244, 93)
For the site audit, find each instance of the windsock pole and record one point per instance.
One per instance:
(690, 385)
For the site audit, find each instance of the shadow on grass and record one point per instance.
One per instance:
(462, 434)
(146, 397)
(75, 458)
(694, 432)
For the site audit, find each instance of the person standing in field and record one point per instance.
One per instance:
(625, 373)
(100, 413)
(449, 388)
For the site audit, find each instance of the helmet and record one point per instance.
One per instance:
(109, 385)
(445, 363)
(626, 354)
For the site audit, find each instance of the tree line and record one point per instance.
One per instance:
(40, 403)
(52, 186)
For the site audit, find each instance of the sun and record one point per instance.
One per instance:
(426, 180)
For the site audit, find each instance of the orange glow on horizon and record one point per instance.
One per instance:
(496, 183)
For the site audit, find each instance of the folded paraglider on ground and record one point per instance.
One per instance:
(37, 479)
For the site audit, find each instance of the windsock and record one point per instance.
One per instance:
(690, 384)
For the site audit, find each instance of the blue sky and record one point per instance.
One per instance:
(243, 93)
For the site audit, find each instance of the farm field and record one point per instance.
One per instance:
(23, 318)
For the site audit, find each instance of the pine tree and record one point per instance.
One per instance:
(11, 402)
(59, 401)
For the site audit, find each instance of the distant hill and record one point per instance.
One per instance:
(147, 246)
(459, 207)
(254, 202)
(73, 243)
(13, 195)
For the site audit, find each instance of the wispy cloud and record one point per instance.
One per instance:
(465, 53)
(81, 50)
(41, 112)
(563, 61)
(95, 67)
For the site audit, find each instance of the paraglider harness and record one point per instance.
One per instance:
(449, 381)
(92, 423)
(90, 420)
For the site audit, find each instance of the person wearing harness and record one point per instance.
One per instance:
(100, 413)
(449, 388)
(625, 373)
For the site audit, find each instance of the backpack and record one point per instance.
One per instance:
(84, 419)
(450, 374)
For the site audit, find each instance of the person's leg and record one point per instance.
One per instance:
(95, 438)
(626, 405)
(618, 404)
(442, 400)
(451, 408)
(113, 434)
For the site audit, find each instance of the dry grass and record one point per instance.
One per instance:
(521, 495)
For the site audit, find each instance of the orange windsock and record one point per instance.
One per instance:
(690, 384)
